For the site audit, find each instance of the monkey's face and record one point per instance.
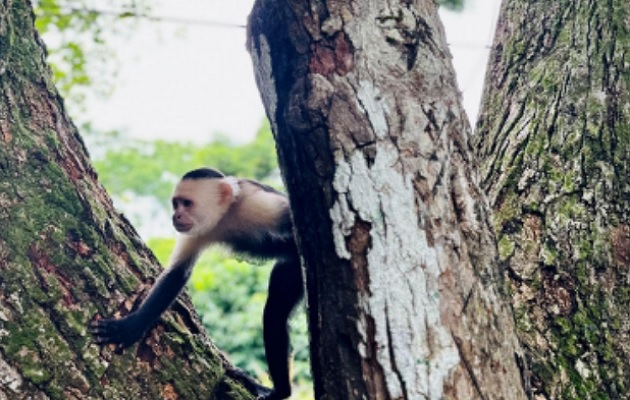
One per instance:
(198, 205)
(183, 220)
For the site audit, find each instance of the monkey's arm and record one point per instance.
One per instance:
(127, 330)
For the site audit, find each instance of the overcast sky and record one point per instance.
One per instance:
(192, 80)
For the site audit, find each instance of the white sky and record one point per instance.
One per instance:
(190, 81)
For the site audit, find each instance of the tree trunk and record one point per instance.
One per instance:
(554, 144)
(404, 293)
(66, 255)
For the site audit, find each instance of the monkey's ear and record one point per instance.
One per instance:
(226, 193)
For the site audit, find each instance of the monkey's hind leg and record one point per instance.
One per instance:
(285, 292)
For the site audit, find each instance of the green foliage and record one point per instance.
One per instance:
(77, 36)
(151, 168)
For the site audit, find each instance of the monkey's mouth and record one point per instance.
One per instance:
(182, 228)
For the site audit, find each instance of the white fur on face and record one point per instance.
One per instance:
(209, 203)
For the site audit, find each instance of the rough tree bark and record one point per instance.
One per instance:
(554, 140)
(66, 255)
(404, 292)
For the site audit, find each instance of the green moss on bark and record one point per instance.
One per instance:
(66, 254)
(556, 106)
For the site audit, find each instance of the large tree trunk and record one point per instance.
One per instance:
(66, 255)
(554, 141)
(404, 293)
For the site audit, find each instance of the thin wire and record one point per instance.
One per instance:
(200, 22)
(129, 14)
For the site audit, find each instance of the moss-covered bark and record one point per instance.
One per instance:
(66, 255)
(554, 145)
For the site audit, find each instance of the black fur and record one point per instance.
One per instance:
(264, 187)
(277, 243)
(285, 292)
(203, 173)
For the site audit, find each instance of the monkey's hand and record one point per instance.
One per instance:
(122, 332)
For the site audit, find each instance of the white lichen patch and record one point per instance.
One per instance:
(583, 369)
(332, 25)
(9, 377)
(343, 220)
(370, 100)
(414, 348)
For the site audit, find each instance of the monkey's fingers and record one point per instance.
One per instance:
(105, 331)
(102, 326)
(248, 382)
(98, 326)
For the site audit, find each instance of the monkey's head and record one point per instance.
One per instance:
(201, 199)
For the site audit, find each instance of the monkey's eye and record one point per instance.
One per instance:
(179, 202)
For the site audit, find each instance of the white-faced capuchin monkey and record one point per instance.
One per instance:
(251, 219)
